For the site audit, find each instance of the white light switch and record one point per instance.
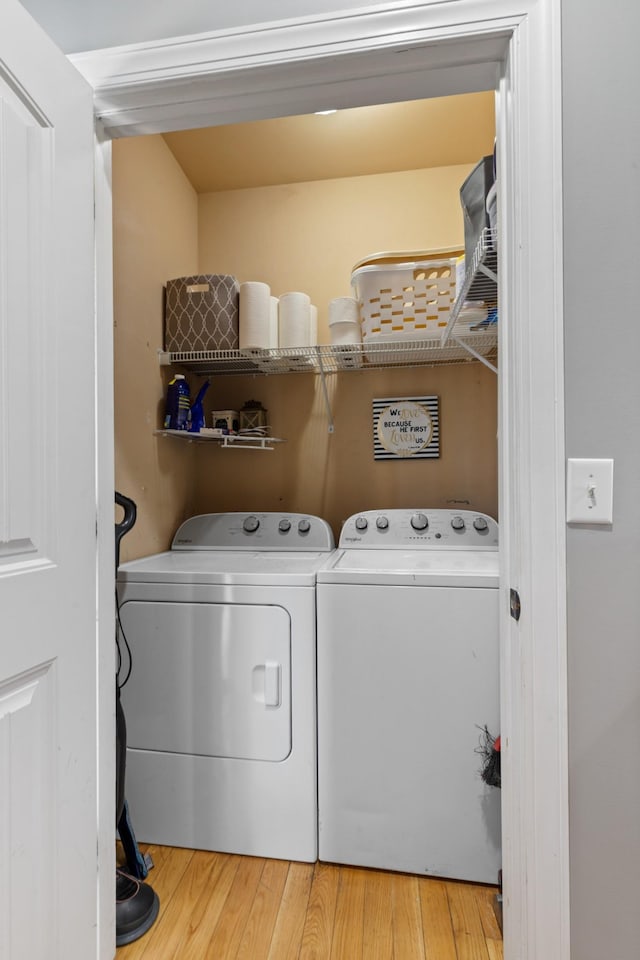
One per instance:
(590, 491)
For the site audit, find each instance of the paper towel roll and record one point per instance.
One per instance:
(344, 320)
(294, 320)
(343, 308)
(313, 325)
(273, 322)
(255, 315)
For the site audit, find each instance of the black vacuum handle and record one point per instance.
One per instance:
(130, 511)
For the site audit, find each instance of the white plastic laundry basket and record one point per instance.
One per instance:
(403, 296)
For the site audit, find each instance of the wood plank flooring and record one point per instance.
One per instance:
(217, 906)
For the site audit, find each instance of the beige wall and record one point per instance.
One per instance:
(335, 475)
(302, 237)
(155, 238)
(308, 237)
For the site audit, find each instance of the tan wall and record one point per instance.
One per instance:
(335, 475)
(155, 238)
(308, 237)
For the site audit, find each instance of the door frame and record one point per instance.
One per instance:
(404, 50)
(105, 612)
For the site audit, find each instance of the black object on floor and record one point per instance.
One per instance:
(137, 907)
(137, 904)
(489, 750)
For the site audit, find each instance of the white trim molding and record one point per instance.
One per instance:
(410, 50)
(532, 508)
(357, 58)
(105, 619)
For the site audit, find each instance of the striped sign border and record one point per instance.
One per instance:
(429, 452)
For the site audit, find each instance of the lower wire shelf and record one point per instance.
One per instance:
(229, 441)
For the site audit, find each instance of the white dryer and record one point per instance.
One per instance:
(221, 702)
(408, 675)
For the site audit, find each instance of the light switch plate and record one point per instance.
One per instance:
(590, 491)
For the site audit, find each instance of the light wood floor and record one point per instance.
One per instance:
(221, 907)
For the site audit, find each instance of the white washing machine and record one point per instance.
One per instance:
(408, 674)
(221, 702)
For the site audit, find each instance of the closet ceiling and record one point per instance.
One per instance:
(362, 141)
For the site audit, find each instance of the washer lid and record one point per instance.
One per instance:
(446, 568)
(257, 568)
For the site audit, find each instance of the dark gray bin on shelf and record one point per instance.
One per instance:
(473, 197)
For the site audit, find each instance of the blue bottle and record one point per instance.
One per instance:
(176, 416)
(196, 420)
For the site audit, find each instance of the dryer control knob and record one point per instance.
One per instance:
(250, 524)
(304, 526)
(458, 523)
(361, 523)
(419, 521)
(480, 523)
(382, 523)
(284, 526)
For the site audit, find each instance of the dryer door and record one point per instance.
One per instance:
(209, 679)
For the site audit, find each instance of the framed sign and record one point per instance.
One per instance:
(406, 428)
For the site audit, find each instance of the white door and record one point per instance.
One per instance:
(48, 762)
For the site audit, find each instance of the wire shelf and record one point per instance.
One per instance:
(227, 440)
(461, 340)
(480, 284)
(329, 359)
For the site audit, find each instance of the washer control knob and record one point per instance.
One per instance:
(304, 525)
(457, 523)
(480, 523)
(419, 521)
(382, 523)
(284, 526)
(361, 523)
(250, 524)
